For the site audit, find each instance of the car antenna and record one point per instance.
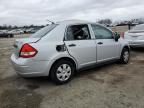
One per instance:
(50, 21)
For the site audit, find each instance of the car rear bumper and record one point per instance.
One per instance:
(30, 68)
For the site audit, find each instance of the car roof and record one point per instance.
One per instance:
(73, 22)
(69, 22)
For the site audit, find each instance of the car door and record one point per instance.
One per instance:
(80, 45)
(107, 47)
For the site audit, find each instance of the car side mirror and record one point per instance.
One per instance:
(116, 36)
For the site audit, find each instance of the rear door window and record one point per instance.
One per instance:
(78, 32)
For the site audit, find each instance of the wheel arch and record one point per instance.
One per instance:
(65, 58)
(127, 47)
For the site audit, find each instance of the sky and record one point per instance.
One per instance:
(26, 12)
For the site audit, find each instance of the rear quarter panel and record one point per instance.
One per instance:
(47, 52)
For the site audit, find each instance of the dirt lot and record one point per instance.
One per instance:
(110, 86)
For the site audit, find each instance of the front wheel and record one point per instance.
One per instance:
(125, 55)
(62, 71)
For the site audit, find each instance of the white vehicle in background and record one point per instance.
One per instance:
(135, 36)
(16, 31)
(4, 31)
(29, 30)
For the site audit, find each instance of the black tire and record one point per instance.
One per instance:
(54, 71)
(123, 60)
(11, 36)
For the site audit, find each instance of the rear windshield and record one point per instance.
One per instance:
(42, 32)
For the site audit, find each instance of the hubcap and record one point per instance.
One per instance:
(63, 72)
(126, 56)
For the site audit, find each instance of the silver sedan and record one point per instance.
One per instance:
(58, 50)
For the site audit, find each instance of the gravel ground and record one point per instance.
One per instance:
(110, 86)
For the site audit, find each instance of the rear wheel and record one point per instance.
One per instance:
(62, 71)
(125, 55)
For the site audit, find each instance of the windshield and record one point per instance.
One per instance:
(42, 32)
(139, 27)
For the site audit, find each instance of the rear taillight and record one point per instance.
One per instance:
(27, 51)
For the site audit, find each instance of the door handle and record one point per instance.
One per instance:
(72, 45)
(100, 43)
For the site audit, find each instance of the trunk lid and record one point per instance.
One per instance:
(20, 42)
